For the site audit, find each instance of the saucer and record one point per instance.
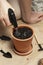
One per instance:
(20, 53)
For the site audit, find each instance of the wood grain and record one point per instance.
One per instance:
(31, 59)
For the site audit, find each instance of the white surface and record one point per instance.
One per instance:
(31, 59)
(36, 59)
(39, 35)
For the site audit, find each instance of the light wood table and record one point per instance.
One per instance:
(31, 59)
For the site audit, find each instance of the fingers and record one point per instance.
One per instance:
(7, 22)
(1, 20)
(5, 19)
(4, 13)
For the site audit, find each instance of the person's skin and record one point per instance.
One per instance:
(4, 6)
(27, 14)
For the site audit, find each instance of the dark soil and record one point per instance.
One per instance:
(22, 33)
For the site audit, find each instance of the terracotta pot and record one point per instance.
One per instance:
(22, 46)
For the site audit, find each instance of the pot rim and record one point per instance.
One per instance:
(24, 25)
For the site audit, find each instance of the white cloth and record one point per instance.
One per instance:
(37, 5)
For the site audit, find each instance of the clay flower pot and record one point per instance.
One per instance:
(22, 46)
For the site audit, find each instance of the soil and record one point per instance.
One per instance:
(22, 33)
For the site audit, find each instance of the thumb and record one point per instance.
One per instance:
(7, 21)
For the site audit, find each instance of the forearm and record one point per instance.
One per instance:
(25, 6)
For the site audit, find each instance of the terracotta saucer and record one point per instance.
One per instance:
(22, 54)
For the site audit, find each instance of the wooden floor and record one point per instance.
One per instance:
(31, 59)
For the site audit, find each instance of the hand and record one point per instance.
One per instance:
(4, 12)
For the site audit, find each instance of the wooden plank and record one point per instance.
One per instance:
(39, 35)
(31, 59)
